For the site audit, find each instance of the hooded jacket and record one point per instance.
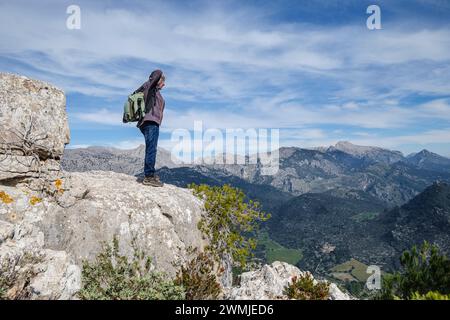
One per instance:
(154, 102)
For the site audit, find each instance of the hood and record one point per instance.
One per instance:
(155, 76)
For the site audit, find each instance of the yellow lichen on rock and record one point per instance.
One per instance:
(35, 200)
(58, 185)
(5, 198)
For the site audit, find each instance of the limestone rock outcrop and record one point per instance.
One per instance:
(89, 210)
(268, 283)
(35, 272)
(33, 127)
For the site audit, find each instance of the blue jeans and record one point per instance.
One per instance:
(150, 130)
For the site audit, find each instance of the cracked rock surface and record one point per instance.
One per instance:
(268, 283)
(33, 127)
(90, 209)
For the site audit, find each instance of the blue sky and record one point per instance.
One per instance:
(310, 68)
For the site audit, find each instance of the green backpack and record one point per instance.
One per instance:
(134, 108)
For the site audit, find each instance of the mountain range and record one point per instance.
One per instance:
(112, 159)
(383, 173)
(365, 203)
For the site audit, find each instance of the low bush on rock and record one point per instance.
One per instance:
(15, 276)
(115, 277)
(304, 288)
(431, 295)
(199, 277)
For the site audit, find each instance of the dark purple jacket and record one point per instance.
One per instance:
(154, 102)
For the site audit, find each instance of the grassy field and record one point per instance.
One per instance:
(343, 276)
(353, 268)
(276, 252)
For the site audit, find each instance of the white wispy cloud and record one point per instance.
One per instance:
(263, 73)
(206, 50)
(291, 115)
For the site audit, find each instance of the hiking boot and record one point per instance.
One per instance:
(152, 181)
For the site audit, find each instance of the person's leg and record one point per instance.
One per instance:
(152, 148)
(150, 130)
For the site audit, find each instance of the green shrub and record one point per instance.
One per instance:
(199, 277)
(432, 295)
(303, 288)
(229, 221)
(113, 277)
(424, 270)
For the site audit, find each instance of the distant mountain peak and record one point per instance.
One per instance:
(351, 148)
(345, 143)
(429, 160)
(348, 146)
(369, 152)
(435, 198)
(425, 152)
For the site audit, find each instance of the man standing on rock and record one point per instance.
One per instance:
(149, 125)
